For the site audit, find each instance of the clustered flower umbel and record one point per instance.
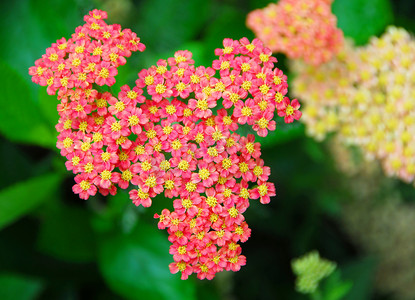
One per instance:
(298, 28)
(169, 133)
(367, 95)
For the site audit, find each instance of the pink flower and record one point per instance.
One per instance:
(289, 110)
(105, 74)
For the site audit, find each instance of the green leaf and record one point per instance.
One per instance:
(361, 273)
(335, 288)
(227, 23)
(284, 133)
(15, 287)
(166, 24)
(20, 117)
(66, 233)
(137, 266)
(21, 198)
(36, 25)
(48, 106)
(361, 19)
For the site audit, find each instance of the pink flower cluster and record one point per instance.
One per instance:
(298, 28)
(174, 132)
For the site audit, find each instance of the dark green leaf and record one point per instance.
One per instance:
(361, 273)
(227, 22)
(21, 198)
(15, 287)
(48, 106)
(165, 25)
(361, 19)
(137, 266)
(20, 117)
(284, 133)
(66, 233)
(334, 288)
(28, 27)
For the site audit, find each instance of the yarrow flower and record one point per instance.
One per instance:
(299, 29)
(170, 135)
(366, 94)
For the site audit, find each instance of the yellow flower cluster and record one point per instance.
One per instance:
(367, 95)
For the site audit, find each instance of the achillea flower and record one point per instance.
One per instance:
(181, 142)
(299, 29)
(366, 95)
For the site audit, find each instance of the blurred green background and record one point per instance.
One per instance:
(55, 246)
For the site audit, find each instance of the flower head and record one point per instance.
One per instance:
(175, 142)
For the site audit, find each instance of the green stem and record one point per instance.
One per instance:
(110, 90)
(98, 88)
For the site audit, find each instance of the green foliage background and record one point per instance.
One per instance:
(55, 246)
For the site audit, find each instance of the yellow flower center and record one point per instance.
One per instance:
(176, 144)
(228, 50)
(132, 95)
(151, 134)
(183, 165)
(84, 185)
(104, 73)
(151, 181)
(263, 57)
(199, 138)
(258, 171)
(246, 85)
(263, 189)
(204, 173)
(187, 203)
(233, 212)
(211, 201)
(133, 120)
(243, 167)
(89, 167)
(246, 111)
(226, 163)
(75, 160)
(169, 184)
(146, 165)
(161, 69)
(105, 156)
(225, 65)
(106, 175)
(264, 89)
(53, 57)
(245, 67)
(262, 123)
(149, 80)
(160, 88)
(190, 186)
(116, 126)
(182, 250)
(234, 97)
(250, 147)
(212, 151)
(120, 106)
(97, 137)
(80, 49)
(289, 110)
(85, 146)
(202, 104)
(67, 142)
